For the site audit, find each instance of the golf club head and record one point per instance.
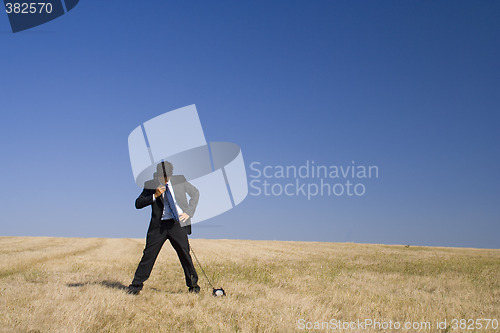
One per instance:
(218, 292)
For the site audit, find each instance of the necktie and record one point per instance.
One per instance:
(171, 204)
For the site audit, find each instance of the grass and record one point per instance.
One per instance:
(76, 285)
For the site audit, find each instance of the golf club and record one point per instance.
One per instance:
(215, 291)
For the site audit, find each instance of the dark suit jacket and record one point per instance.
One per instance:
(181, 187)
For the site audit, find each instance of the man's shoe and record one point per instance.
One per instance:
(195, 290)
(131, 290)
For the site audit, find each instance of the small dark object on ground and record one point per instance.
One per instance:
(218, 292)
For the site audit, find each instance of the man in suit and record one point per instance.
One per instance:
(170, 219)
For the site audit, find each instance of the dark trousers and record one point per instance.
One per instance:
(158, 233)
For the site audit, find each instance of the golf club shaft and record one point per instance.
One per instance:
(210, 283)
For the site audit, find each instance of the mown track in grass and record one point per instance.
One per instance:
(28, 264)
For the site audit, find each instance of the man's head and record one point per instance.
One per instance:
(164, 170)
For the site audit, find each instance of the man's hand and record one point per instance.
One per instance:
(183, 217)
(159, 191)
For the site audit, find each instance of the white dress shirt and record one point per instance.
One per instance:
(166, 212)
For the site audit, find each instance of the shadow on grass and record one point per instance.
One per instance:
(105, 283)
(119, 286)
(171, 292)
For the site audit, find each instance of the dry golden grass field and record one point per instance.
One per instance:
(76, 285)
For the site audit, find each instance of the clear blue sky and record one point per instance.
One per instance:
(410, 86)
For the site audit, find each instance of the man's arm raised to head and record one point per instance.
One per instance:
(152, 190)
(146, 198)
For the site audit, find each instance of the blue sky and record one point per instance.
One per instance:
(412, 87)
